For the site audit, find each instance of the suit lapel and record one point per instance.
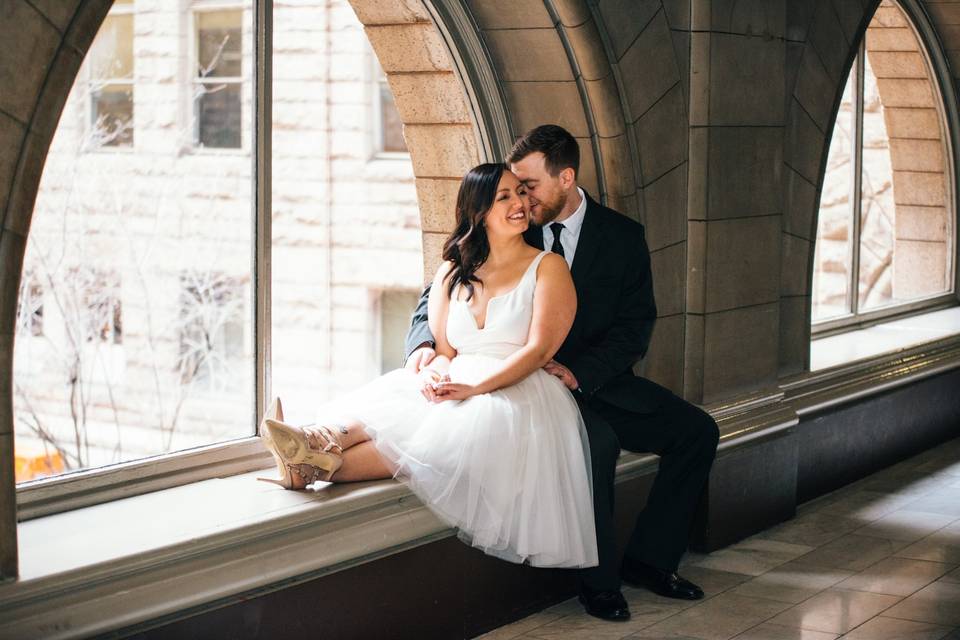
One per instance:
(587, 244)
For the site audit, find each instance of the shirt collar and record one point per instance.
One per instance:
(575, 221)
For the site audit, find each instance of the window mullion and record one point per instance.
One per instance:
(262, 187)
(857, 195)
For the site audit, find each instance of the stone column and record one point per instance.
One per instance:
(734, 207)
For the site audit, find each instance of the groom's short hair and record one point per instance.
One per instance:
(560, 149)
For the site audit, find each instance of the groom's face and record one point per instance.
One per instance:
(546, 192)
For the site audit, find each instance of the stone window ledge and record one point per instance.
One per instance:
(104, 567)
(883, 338)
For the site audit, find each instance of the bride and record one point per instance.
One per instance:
(486, 438)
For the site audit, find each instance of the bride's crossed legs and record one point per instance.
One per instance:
(356, 460)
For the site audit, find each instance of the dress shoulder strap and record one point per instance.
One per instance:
(532, 269)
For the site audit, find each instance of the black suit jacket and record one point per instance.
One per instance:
(615, 310)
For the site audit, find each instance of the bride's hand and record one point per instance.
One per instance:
(454, 391)
(430, 379)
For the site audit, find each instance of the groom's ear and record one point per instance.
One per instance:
(567, 177)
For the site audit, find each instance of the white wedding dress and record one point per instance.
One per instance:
(510, 469)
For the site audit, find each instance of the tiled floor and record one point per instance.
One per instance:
(878, 560)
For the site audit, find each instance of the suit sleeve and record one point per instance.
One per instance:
(419, 327)
(628, 336)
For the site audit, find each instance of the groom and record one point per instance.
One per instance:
(610, 265)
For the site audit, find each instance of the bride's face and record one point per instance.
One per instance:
(510, 213)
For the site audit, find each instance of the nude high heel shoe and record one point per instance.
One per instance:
(293, 449)
(274, 412)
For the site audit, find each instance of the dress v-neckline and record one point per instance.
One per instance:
(486, 307)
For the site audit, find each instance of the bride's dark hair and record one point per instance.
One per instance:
(468, 246)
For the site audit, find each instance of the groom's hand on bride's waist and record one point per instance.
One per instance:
(421, 357)
(566, 376)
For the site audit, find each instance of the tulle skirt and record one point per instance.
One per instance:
(509, 469)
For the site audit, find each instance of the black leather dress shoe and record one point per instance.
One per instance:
(660, 581)
(607, 605)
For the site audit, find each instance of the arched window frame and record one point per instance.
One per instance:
(933, 52)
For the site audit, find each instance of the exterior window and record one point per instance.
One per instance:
(111, 86)
(396, 307)
(96, 293)
(218, 81)
(884, 235)
(388, 126)
(30, 307)
(211, 328)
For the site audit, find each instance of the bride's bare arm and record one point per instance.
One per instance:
(554, 306)
(438, 306)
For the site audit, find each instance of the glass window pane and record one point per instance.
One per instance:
(219, 43)
(111, 54)
(142, 265)
(391, 127)
(832, 257)
(877, 207)
(345, 228)
(111, 116)
(219, 115)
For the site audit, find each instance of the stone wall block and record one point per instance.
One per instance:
(745, 171)
(438, 204)
(678, 13)
(668, 266)
(943, 12)
(800, 206)
(794, 54)
(765, 18)
(8, 494)
(617, 166)
(798, 16)
(572, 12)
(665, 206)
(916, 155)
(662, 136)
(587, 176)
(899, 92)
(535, 103)
(6, 381)
(918, 268)
(693, 348)
(59, 12)
(432, 254)
(441, 150)
(649, 68)
(815, 90)
(624, 20)
(891, 40)
(890, 17)
(794, 335)
(828, 39)
(700, 79)
(528, 54)
(922, 223)
(56, 88)
(696, 267)
(12, 248)
(517, 14)
(86, 23)
(912, 123)
(664, 360)
(30, 43)
(741, 262)
(897, 64)
(794, 258)
(11, 141)
(588, 49)
(681, 48)
(851, 14)
(698, 185)
(925, 189)
(804, 143)
(409, 47)
(604, 97)
(741, 350)
(628, 206)
(744, 80)
(371, 12)
(429, 97)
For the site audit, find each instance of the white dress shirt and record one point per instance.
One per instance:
(571, 231)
